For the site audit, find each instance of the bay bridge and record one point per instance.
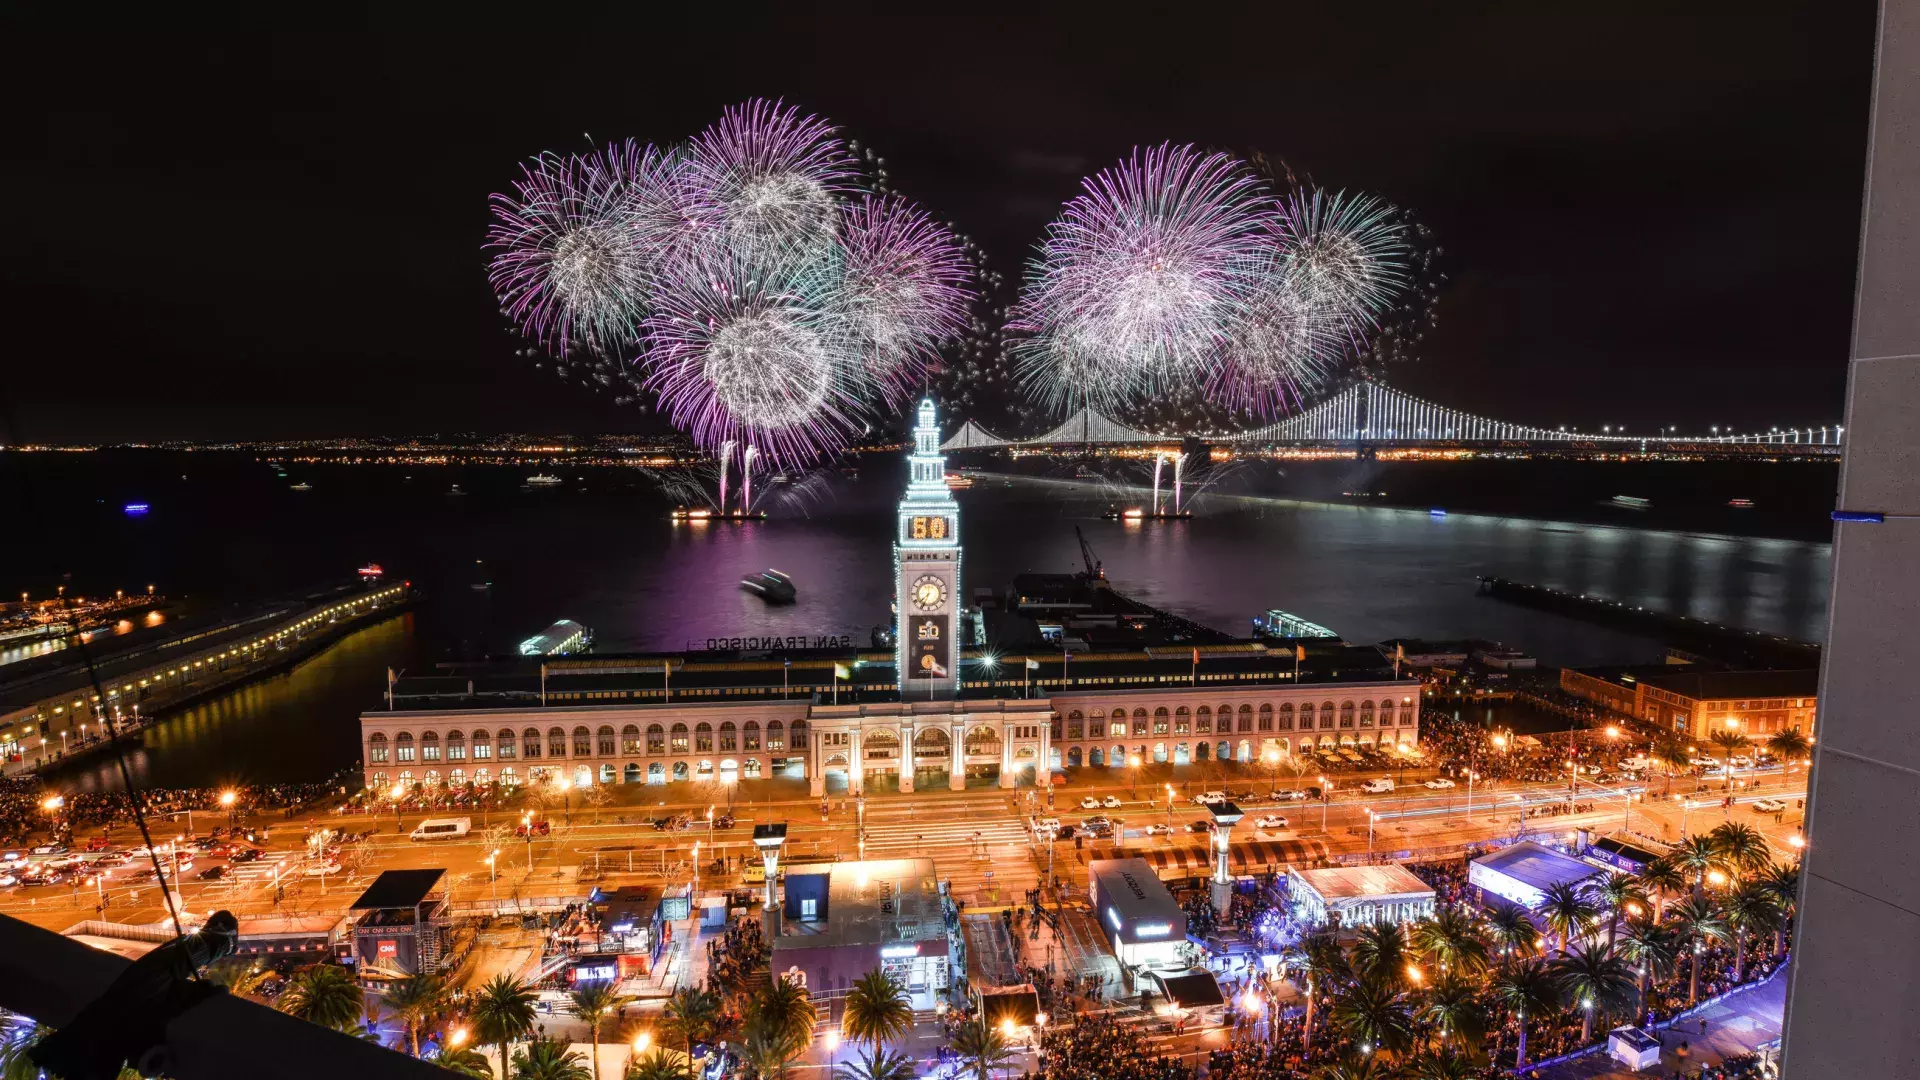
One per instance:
(1374, 416)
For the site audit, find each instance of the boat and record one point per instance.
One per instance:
(956, 481)
(1284, 624)
(371, 570)
(301, 486)
(772, 586)
(544, 480)
(1086, 473)
(455, 490)
(1740, 504)
(1135, 513)
(1632, 502)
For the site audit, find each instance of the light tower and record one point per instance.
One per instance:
(769, 839)
(1225, 816)
(926, 570)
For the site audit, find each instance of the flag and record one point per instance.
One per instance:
(1196, 656)
(1032, 664)
(840, 672)
(1299, 653)
(1399, 650)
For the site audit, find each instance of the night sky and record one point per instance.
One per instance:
(1648, 215)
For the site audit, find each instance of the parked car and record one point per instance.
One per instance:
(1769, 806)
(1111, 802)
(99, 843)
(317, 869)
(1089, 803)
(1210, 798)
(543, 828)
(1439, 782)
(1376, 787)
(1271, 821)
(1292, 795)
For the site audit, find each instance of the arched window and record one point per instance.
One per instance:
(507, 748)
(751, 732)
(729, 737)
(1346, 714)
(457, 778)
(678, 743)
(1326, 714)
(556, 742)
(377, 748)
(703, 737)
(429, 747)
(456, 746)
(656, 739)
(608, 774)
(379, 781)
(1246, 718)
(508, 777)
(1139, 721)
(1266, 716)
(776, 736)
(1366, 714)
(482, 750)
(1160, 720)
(1203, 723)
(1286, 716)
(630, 739)
(631, 774)
(604, 740)
(1076, 725)
(403, 746)
(582, 742)
(530, 743)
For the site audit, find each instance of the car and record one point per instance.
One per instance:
(245, 855)
(8, 881)
(213, 873)
(1111, 802)
(1293, 795)
(1046, 825)
(99, 843)
(1089, 803)
(1210, 798)
(1439, 782)
(205, 843)
(1705, 762)
(318, 869)
(1271, 821)
(1242, 795)
(12, 858)
(1769, 806)
(538, 828)
(1159, 830)
(1376, 787)
(66, 862)
(51, 849)
(170, 867)
(1064, 832)
(1204, 825)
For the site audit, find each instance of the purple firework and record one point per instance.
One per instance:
(575, 244)
(1141, 276)
(776, 176)
(905, 285)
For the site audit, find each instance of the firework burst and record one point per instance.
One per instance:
(1140, 276)
(777, 178)
(906, 285)
(1345, 253)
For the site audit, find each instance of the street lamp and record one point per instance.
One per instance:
(1133, 763)
(1370, 816)
(833, 1050)
(398, 791)
(1273, 773)
(641, 1042)
(1326, 799)
(1169, 809)
(566, 797)
(493, 876)
(227, 799)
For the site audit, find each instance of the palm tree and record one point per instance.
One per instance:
(502, 1012)
(1513, 931)
(778, 1028)
(1741, 846)
(19, 1039)
(1672, 753)
(1751, 908)
(1529, 991)
(1380, 953)
(1617, 894)
(1782, 881)
(1697, 921)
(876, 1009)
(239, 974)
(1567, 911)
(695, 1014)
(467, 1062)
(1452, 1005)
(1651, 947)
(416, 1001)
(1355, 1067)
(1320, 957)
(1374, 1013)
(1593, 978)
(1454, 939)
(547, 1059)
(660, 1064)
(1662, 879)
(592, 1003)
(1788, 744)
(1694, 857)
(1730, 742)
(323, 994)
(881, 1064)
(981, 1046)
(1441, 1067)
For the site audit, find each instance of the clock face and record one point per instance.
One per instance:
(929, 593)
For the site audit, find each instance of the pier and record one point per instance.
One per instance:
(1724, 644)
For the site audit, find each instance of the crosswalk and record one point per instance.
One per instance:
(921, 837)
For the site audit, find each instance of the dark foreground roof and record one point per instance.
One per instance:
(398, 889)
(1704, 685)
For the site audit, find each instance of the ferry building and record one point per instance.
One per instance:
(1054, 672)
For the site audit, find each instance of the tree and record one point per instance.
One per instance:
(416, 1001)
(1320, 957)
(1782, 882)
(1789, 745)
(1593, 978)
(1615, 894)
(880, 1064)
(1452, 1006)
(1441, 1067)
(1651, 948)
(1355, 1067)
(1567, 911)
(695, 1014)
(1741, 846)
(1748, 909)
(1454, 939)
(467, 1062)
(1372, 1012)
(1731, 742)
(1662, 879)
(1697, 921)
(1694, 857)
(659, 1064)
(778, 1028)
(1513, 932)
(239, 974)
(1673, 754)
(876, 1009)
(1528, 991)
(18, 1040)
(502, 1012)
(323, 994)
(981, 1046)
(547, 1059)
(592, 1003)
(1380, 954)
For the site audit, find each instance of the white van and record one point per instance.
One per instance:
(1376, 787)
(445, 828)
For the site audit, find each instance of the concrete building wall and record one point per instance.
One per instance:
(1851, 999)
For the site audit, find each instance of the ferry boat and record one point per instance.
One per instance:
(544, 480)
(301, 486)
(1135, 513)
(771, 585)
(1632, 502)
(1085, 472)
(1740, 504)
(372, 570)
(957, 481)
(1284, 624)
(455, 490)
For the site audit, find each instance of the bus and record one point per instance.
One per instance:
(450, 828)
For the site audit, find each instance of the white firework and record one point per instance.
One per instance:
(777, 178)
(1345, 252)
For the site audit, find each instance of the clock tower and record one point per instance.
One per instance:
(926, 570)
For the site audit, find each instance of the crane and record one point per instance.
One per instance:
(1095, 572)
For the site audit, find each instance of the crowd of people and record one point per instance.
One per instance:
(29, 808)
(1098, 1047)
(735, 955)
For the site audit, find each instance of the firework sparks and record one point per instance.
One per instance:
(1345, 252)
(1140, 276)
(777, 176)
(905, 286)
